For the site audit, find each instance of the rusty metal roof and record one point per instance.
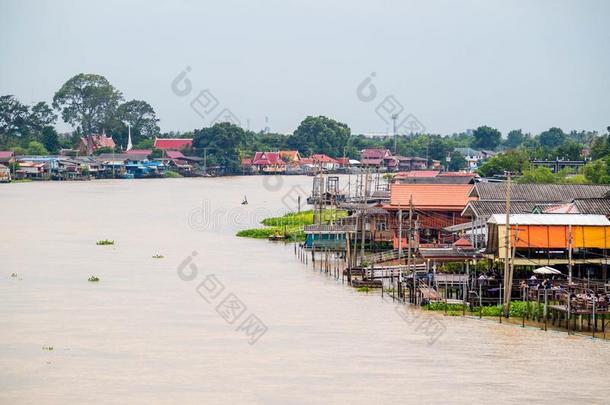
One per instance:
(538, 192)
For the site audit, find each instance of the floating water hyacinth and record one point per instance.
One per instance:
(104, 242)
(93, 279)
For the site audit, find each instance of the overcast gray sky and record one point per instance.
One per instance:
(452, 64)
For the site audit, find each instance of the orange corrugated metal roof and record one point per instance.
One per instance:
(430, 195)
(419, 173)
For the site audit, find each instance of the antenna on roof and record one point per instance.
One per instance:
(394, 118)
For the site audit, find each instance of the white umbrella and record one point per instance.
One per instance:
(546, 270)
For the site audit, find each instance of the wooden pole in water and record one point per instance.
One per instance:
(409, 245)
(349, 259)
(399, 245)
(546, 306)
(569, 276)
(507, 247)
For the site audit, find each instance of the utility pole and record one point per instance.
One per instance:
(569, 254)
(364, 205)
(409, 240)
(569, 275)
(399, 248)
(394, 118)
(205, 161)
(507, 288)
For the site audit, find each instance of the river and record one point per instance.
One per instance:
(150, 332)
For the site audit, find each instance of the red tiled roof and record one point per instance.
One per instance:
(375, 153)
(410, 158)
(321, 158)
(343, 161)
(100, 141)
(418, 173)
(6, 154)
(267, 158)
(291, 155)
(246, 162)
(430, 196)
(139, 152)
(462, 242)
(371, 161)
(174, 154)
(456, 174)
(177, 143)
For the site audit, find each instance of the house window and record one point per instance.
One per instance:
(381, 226)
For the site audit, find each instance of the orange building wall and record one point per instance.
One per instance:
(556, 236)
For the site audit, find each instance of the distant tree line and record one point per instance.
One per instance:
(91, 104)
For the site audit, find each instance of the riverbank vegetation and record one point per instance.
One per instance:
(91, 104)
(290, 225)
(517, 309)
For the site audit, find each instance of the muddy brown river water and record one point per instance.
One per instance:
(148, 333)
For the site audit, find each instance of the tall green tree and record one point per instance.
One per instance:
(458, 162)
(600, 147)
(552, 138)
(486, 138)
(13, 118)
(41, 116)
(87, 101)
(50, 139)
(515, 161)
(224, 142)
(540, 174)
(320, 135)
(570, 149)
(515, 138)
(597, 171)
(141, 116)
(37, 148)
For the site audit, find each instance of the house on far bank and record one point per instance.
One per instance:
(407, 163)
(268, 162)
(377, 158)
(145, 152)
(32, 170)
(324, 161)
(90, 144)
(7, 157)
(246, 166)
(173, 143)
(292, 158)
(5, 174)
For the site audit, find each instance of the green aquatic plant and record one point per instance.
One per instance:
(157, 256)
(104, 242)
(49, 348)
(13, 275)
(172, 175)
(290, 224)
(93, 279)
(364, 289)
